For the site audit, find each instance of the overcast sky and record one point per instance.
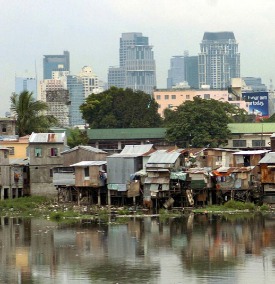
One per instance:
(90, 31)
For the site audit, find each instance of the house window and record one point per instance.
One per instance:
(173, 97)
(188, 97)
(239, 143)
(166, 97)
(11, 149)
(51, 172)
(258, 143)
(206, 96)
(86, 172)
(4, 128)
(158, 97)
(38, 152)
(53, 152)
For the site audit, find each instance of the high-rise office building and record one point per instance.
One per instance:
(26, 84)
(137, 69)
(191, 73)
(58, 102)
(55, 63)
(75, 87)
(254, 84)
(89, 80)
(176, 71)
(219, 59)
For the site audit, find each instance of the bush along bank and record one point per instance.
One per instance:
(38, 206)
(233, 206)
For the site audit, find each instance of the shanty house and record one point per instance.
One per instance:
(267, 168)
(14, 176)
(5, 191)
(45, 154)
(90, 181)
(165, 182)
(122, 166)
(82, 153)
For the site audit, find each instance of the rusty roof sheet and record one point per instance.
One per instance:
(47, 137)
(234, 169)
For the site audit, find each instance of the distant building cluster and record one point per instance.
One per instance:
(215, 69)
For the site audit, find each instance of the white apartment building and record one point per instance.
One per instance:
(90, 81)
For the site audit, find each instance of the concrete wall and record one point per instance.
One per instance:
(43, 189)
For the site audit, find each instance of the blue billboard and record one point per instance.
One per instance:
(257, 103)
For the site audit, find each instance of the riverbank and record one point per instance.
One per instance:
(38, 206)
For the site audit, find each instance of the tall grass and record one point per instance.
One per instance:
(23, 203)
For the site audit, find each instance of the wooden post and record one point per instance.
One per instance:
(109, 197)
(98, 197)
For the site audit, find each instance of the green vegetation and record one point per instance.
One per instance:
(230, 206)
(60, 216)
(264, 207)
(77, 137)
(238, 205)
(29, 114)
(200, 123)
(24, 205)
(119, 108)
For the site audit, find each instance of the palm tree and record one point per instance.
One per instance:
(29, 114)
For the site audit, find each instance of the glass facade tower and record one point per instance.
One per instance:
(55, 63)
(219, 60)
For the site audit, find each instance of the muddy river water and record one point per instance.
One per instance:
(191, 249)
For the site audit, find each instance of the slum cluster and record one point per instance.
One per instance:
(137, 175)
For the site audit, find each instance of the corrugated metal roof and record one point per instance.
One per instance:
(4, 148)
(126, 133)
(89, 163)
(253, 152)
(237, 128)
(9, 137)
(47, 137)
(19, 161)
(269, 158)
(234, 169)
(159, 180)
(160, 157)
(134, 151)
(87, 148)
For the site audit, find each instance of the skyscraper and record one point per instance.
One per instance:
(176, 71)
(219, 60)
(55, 63)
(89, 80)
(137, 69)
(75, 88)
(191, 71)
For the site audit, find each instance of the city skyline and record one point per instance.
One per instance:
(90, 30)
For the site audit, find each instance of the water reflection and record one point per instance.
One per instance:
(194, 248)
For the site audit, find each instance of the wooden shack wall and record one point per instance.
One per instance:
(267, 174)
(82, 155)
(92, 181)
(254, 160)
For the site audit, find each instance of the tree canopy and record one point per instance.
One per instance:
(200, 123)
(77, 137)
(29, 114)
(119, 108)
